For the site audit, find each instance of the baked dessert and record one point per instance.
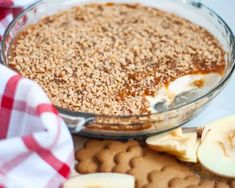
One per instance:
(116, 58)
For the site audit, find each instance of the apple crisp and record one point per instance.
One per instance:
(106, 58)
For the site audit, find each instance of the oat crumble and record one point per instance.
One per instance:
(105, 58)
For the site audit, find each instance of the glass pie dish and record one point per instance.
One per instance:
(127, 126)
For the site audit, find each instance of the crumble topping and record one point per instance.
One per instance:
(105, 58)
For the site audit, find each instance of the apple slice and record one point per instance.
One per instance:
(167, 142)
(217, 149)
(191, 153)
(101, 180)
(183, 146)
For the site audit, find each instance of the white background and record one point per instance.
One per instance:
(224, 103)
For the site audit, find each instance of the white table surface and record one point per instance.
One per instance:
(224, 103)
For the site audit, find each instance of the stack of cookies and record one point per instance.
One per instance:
(151, 169)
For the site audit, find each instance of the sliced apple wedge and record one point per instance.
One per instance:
(217, 149)
(101, 180)
(191, 153)
(183, 146)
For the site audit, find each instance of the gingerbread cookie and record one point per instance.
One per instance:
(107, 155)
(122, 159)
(87, 162)
(143, 166)
(161, 178)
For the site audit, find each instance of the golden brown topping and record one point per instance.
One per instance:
(106, 58)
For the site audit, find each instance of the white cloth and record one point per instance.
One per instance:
(36, 148)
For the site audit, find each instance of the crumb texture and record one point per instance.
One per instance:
(105, 58)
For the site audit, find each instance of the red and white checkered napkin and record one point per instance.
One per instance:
(10, 9)
(36, 148)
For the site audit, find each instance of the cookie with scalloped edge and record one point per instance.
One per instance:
(107, 155)
(86, 157)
